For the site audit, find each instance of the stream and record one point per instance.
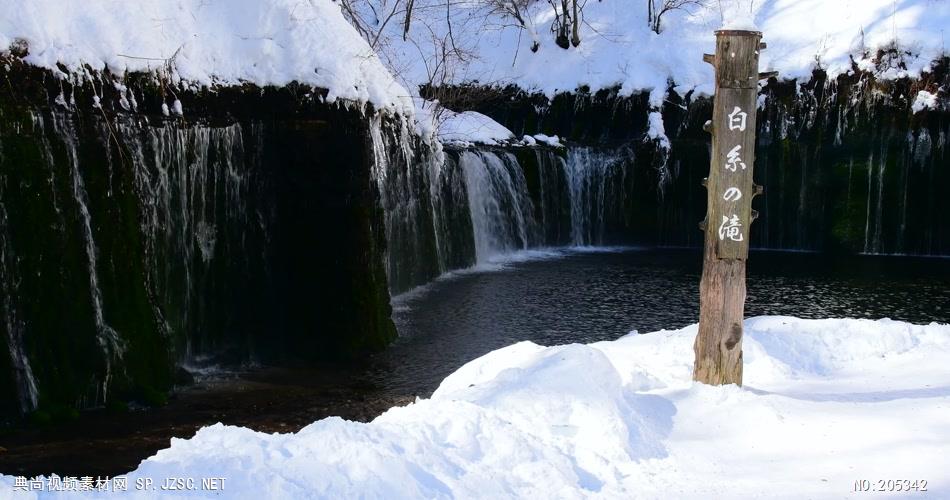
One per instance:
(547, 296)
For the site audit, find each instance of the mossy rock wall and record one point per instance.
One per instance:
(249, 228)
(847, 164)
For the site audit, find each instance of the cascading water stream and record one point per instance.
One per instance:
(196, 220)
(27, 393)
(499, 204)
(192, 189)
(879, 210)
(454, 209)
(596, 182)
(189, 188)
(108, 339)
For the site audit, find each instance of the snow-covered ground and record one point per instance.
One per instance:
(619, 48)
(826, 403)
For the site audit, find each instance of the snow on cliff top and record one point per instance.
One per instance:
(618, 47)
(826, 402)
(279, 41)
(267, 42)
(471, 126)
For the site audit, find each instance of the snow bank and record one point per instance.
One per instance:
(206, 42)
(826, 402)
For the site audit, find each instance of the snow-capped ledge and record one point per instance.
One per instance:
(471, 128)
(925, 100)
(826, 402)
(207, 43)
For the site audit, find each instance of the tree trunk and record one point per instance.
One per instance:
(562, 40)
(575, 37)
(718, 345)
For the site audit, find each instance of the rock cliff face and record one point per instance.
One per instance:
(140, 229)
(848, 164)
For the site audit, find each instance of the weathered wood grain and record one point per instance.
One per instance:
(729, 214)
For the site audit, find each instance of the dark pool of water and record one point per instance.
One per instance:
(587, 296)
(575, 297)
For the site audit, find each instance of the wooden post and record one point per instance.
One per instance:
(729, 213)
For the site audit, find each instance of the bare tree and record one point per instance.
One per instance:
(408, 19)
(567, 20)
(657, 8)
(517, 10)
(427, 26)
(372, 17)
(561, 24)
(575, 36)
(565, 26)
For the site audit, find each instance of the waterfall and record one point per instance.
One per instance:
(194, 189)
(406, 173)
(879, 203)
(499, 204)
(152, 231)
(107, 338)
(452, 209)
(27, 393)
(867, 217)
(596, 182)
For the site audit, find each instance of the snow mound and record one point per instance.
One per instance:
(207, 42)
(737, 16)
(472, 127)
(550, 140)
(826, 402)
(925, 100)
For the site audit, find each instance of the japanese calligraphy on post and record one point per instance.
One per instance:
(730, 183)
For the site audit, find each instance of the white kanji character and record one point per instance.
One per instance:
(70, 483)
(737, 119)
(733, 160)
(86, 483)
(730, 228)
(120, 483)
(20, 484)
(54, 483)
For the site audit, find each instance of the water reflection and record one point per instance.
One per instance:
(591, 296)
